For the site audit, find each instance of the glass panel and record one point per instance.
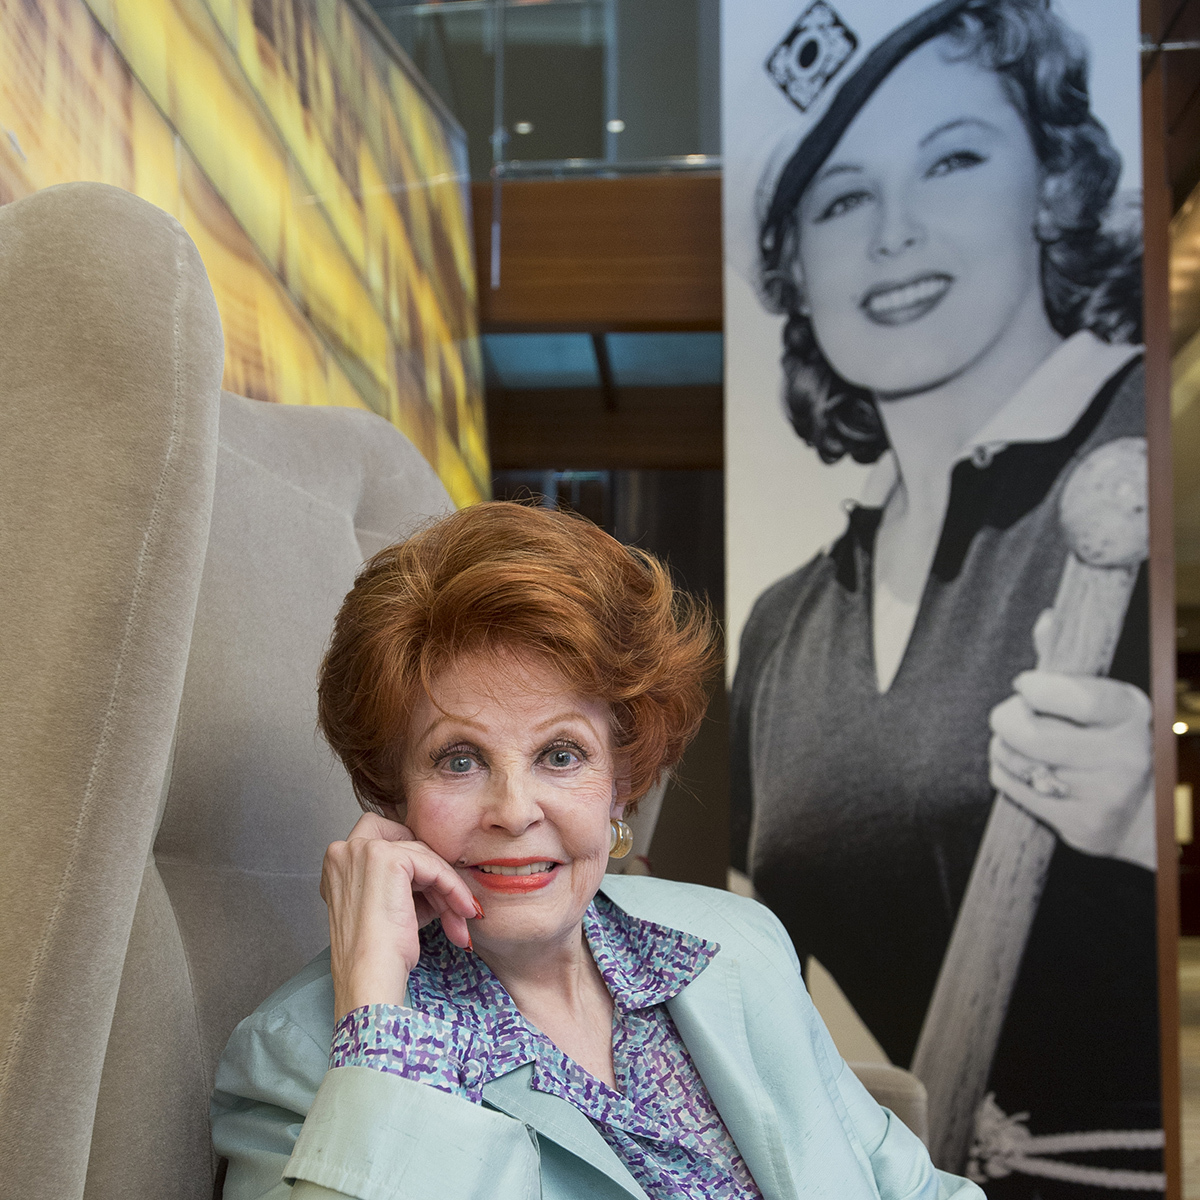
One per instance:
(665, 359)
(627, 84)
(555, 56)
(515, 361)
(667, 79)
(452, 45)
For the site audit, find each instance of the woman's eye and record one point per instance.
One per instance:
(960, 160)
(460, 764)
(843, 204)
(562, 757)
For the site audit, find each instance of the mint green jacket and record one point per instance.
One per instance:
(804, 1124)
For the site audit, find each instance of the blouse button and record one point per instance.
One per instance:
(472, 1072)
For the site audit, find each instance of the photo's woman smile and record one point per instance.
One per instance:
(900, 303)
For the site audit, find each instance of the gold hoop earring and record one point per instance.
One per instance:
(621, 839)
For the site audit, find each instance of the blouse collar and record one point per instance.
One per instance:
(1043, 409)
(642, 964)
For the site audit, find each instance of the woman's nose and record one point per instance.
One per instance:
(513, 804)
(898, 229)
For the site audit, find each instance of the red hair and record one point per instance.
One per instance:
(507, 576)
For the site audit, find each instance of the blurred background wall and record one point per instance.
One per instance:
(322, 180)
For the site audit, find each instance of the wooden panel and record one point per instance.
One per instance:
(602, 254)
(1157, 198)
(572, 429)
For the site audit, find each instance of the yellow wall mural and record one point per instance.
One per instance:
(320, 181)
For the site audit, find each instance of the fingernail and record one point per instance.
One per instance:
(470, 944)
(478, 909)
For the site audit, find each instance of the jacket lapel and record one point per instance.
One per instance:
(709, 1016)
(559, 1121)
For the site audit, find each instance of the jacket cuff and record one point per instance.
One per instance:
(411, 1044)
(374, 1136)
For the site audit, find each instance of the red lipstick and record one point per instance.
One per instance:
(496, 881)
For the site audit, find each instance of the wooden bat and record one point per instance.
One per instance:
(1103, 513)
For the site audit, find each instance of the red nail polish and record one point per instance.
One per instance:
(470, 944)
(478, 909)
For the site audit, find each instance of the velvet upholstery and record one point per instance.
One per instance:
(174, 560)
(302, 496)
(110, 365)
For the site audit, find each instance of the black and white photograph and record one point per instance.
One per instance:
(942, 775)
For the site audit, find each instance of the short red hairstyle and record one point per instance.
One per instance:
(509, 576)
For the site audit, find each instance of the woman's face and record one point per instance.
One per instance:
(510, 777)
(916, 236)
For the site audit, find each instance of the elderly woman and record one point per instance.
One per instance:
(496, 1017)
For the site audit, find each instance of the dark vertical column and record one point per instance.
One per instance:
(708, 75)
(679, 516)
(1162, 578)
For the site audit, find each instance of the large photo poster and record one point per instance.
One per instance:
(936, 534)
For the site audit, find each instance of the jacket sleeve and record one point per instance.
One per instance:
(899, 1161)
(282, 1118)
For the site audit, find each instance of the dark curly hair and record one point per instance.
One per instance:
(1090, 253)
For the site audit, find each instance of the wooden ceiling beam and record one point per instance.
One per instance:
(638, 253)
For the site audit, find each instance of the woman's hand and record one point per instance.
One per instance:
(382, 886)
(1075, 752)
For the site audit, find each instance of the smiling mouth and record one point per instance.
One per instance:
(899, 303)
(534, 868)
(516, 875)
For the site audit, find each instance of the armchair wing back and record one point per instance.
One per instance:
(110, 365)
(193, 869)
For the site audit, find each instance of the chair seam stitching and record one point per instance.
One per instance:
(288, 483)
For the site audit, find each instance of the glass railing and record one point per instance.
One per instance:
(572, 87)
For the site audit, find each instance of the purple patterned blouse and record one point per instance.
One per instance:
(463, 1030)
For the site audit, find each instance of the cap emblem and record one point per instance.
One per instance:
(811, 54)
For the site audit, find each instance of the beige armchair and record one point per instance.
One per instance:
(173, 561)
(173, 558)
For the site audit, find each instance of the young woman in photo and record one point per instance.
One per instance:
(964, 312)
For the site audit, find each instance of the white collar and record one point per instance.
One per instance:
(1043, 409)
